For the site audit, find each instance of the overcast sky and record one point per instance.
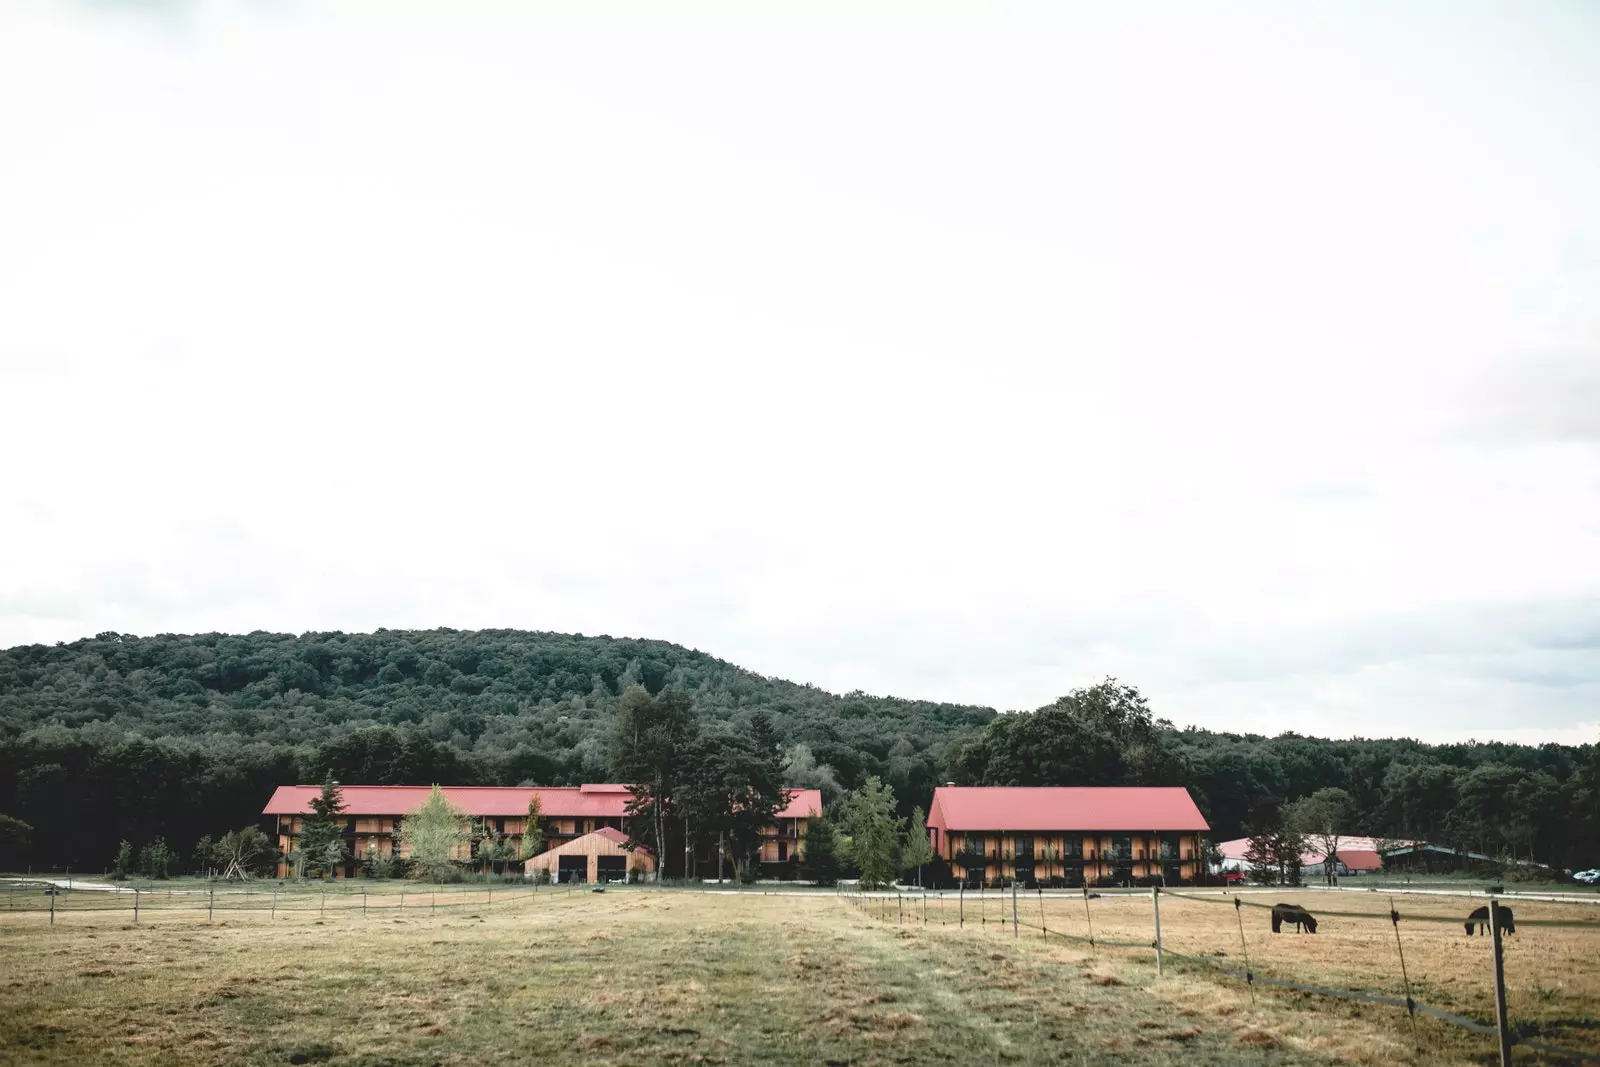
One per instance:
(1251, 357)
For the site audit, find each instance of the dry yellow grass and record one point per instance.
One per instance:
(647, 977)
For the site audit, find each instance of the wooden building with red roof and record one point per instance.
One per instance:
(1067, 835)
(373, 812)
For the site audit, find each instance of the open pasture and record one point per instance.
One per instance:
(647, 976)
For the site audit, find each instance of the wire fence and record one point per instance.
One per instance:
(1073, 918)
(22, 899)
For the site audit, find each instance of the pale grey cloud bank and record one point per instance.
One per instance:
(1251, 359)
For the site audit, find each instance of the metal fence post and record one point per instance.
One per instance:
(1155, 902)
(211, 903)
(363, 902)
(1015, 929)
(961, 906)
(900, 902)
(52, 905)
(135, 903)
(1500, 986)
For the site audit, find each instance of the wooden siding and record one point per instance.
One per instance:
(1093, 856)
(592, 846)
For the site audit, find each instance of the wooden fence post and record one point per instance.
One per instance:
(135, 903)
(211, 903)
(1155, 902)
(961, 906)
(1501, 1023)
(1015, 930)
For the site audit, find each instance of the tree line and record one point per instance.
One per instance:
(183, 737)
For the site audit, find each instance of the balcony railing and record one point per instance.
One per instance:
(971, 859)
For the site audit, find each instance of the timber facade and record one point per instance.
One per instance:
(1067, 836)
(373, 814)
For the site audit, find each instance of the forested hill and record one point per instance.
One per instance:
(121, 736)
(179, 736)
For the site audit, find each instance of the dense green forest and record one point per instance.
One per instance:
(120, 737)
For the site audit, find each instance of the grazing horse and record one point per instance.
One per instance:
(1303, 920)
(1480, 919)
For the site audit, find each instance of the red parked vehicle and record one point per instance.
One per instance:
(1232, 877)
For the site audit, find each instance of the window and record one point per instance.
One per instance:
(783, 851)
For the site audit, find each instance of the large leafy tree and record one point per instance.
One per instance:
(651, 737)
(867, 815)
(433, 833)
(239, 854)
(1101, 735)
(731, 790)
(533, 835)
(321, 845)
(917, 850)
(1275, 845)
(1324, 819)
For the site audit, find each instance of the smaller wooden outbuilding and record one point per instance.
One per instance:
(595, 857)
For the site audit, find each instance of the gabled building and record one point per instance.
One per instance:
(1067, 835)
(372, 813)
(1357, 855)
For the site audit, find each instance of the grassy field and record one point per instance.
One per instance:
(654, 977)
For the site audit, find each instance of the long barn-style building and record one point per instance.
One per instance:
(372, 813)
(1067, 835)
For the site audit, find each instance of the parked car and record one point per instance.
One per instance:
(1232, 877)
(1589, 877)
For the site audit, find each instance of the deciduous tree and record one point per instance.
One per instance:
(433, 833)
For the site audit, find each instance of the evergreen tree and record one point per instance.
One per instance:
(649, 740)
(322, 832)
(820, 853)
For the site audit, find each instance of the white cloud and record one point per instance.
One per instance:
(958, 356)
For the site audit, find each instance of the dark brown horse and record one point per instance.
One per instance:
(1303, 920)
(1480, 919)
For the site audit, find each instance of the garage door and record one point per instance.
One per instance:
(612, 868)
(572, 868)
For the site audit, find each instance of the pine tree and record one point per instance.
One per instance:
(820, 852)
(322, 832)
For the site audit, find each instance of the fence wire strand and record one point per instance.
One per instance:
(1408, 1003)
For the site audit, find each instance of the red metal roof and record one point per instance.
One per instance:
(1356, 853)
(802, 804)
(603, 801)
(563, 802)
(1073, 808)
